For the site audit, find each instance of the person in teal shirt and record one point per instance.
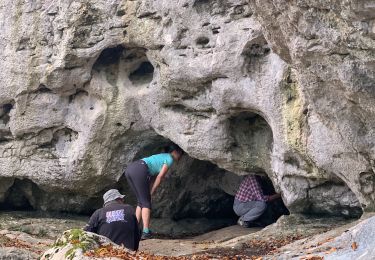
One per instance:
(139, 175)
(156, 162)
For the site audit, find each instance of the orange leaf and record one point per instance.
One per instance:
(333, 249)
(354, 246)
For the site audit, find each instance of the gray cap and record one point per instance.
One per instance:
(112, 195)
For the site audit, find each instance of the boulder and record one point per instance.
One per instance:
(350, 241)
(73, 245)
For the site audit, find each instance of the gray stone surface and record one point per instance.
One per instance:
(363, 235)
(16, 254)
(331, 47)
(334, 244)
(288, 90)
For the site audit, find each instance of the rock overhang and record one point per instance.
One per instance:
(210, 61)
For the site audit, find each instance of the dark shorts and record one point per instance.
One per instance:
(139, 181)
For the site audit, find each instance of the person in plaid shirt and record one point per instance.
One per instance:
(250, 202)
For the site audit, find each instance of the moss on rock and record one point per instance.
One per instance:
(73, 244)
(293, 111)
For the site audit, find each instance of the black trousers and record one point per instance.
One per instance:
(139, 178)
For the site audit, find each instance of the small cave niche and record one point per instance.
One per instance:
(16, 198)
(254, 54)
(367, 182)
(119, 62)
(5, 133)
(26, 195)
(202, 41)
(256, 50)
(251, 141)
(109, 56)
(143, 74)
(108, 62)
(4, 113)
(333, 198)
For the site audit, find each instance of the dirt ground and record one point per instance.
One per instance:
(30, 234)
(179, 247)
(243, 243)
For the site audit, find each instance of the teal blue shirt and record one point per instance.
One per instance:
(156, 162)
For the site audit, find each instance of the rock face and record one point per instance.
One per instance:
(250, 86)
(351, 241)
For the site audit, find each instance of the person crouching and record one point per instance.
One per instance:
(250, 202)
(116, 221)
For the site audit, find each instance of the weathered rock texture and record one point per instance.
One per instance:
(268, 86)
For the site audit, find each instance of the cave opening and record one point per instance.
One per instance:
(15, 197)
(251, 147)
(124, 66)
(143, 74)
(5, 133)
(195, 197)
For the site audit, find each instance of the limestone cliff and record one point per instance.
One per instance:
(262, 85)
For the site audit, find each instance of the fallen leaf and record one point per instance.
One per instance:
(312, 257)
(354, 246)
(333, 249)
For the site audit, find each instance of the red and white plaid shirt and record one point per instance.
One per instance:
(250, 190)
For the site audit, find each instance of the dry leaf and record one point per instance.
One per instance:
(354, 246)
(333, 249)
(312, 257)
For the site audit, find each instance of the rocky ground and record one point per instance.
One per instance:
(26, 235)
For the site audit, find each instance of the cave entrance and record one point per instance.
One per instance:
(251, 147)
(15, 198)
(195, 197)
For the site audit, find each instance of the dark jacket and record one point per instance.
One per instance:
(116, 221)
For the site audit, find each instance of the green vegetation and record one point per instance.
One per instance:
(78, 239)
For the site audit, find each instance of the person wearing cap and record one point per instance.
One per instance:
(139, 175)
(116, 221)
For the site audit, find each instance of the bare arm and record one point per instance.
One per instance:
(273, 197)
(159, 178)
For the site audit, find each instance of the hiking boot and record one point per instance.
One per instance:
(249, 224)
(145, 235)
(242, 223)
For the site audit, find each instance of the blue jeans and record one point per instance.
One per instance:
(250, 210)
